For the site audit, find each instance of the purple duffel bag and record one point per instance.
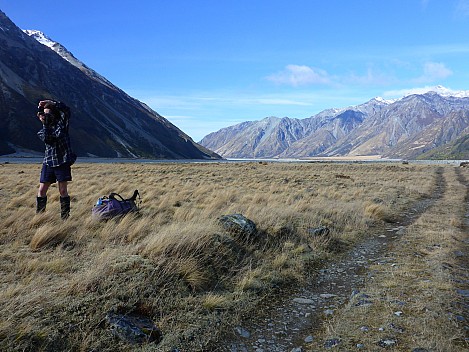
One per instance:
(114, 206)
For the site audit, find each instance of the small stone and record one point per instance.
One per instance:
(363, 303)
(297, 349)
(398, 313)
(402, 231)
(360, 345)
(396, 328)
(309, 339)
(331, 343)
(303, 301)
(243, 332)
(328, 312)
(464, 293)
(327, 295)
(319, 231)
(364, 328)
(387, 343)
(381, 329)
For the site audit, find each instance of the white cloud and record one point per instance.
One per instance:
(300, 75)
(433, 71)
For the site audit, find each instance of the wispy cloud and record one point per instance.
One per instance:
(433, 71)
(372, 77)
(199, 100)
(296, 76)
(300, 75)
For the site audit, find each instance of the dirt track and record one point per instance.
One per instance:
(292, 322)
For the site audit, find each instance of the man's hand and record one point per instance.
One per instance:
(42, 116)
(44, 103)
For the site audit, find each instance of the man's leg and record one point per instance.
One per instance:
(63, 188)
(64, 200)
(41, 199)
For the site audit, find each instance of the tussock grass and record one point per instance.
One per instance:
(421, 283)
(173, 262)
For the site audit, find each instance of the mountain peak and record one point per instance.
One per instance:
(40, 37)
(440, 90)
(107, 121)
(381, 100)
(402, 128)
(67, 55)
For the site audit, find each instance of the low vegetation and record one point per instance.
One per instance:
(173, 263)
(413, 294)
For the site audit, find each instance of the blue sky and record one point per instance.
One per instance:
(209, 64)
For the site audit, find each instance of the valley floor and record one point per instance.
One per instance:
(358, 256)
(404, 289)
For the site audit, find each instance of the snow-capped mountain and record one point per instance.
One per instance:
(105, 121)
(440, 90)
(401, 128)
(67, 55)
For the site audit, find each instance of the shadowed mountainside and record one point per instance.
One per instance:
(106, 122)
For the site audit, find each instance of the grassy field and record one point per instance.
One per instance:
(173, 262)
(414, 294)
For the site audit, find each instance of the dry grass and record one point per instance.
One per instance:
(173, 262)
(420, 282)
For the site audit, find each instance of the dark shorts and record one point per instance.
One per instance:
(60, 173)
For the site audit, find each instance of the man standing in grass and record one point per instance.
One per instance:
(59, 156)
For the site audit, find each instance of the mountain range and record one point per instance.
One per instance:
(106, 122)
(409, 128)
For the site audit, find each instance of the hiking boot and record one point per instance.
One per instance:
(41, 203)
(65, 207)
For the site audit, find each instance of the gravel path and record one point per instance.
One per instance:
(287, 323)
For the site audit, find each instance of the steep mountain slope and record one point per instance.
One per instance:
(390, 131)
(105, 121)
(455, 148)
(324, 134)
(403, 128)
(270, 136)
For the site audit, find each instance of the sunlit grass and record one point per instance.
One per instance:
(173, 257)
(421, 283)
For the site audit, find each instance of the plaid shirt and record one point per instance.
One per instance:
(57, 141)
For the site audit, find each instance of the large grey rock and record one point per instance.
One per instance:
(239, 225)
(133, 329)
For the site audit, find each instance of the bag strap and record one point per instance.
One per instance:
(113, 196)
(134, 196)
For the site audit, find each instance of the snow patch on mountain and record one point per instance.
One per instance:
(440, 90)
(40, 37)
(67, 55)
